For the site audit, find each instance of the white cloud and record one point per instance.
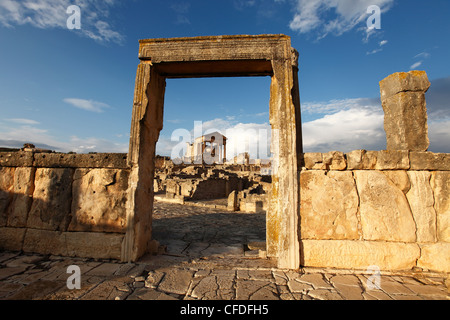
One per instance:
(42, 138)
(47, 14)
(416, 65)
(88, 105)
(381, 44)
(346, 130)
(345, 15)
(23, 121)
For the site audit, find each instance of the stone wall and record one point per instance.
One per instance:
(385, 208)
(63, 204)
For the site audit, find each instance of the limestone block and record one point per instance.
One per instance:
(334, 160)
(94, 245)
(45, 242)
(361, 160)
(6, 193)
(392, 160)
(384, 210)
(74, 244)
(23, 196)
(421, 202)
(11, 238)
(96, 160)
(313, 161)
(16, 159)
(52, 199)
(430, 161)
(435, 257)
(405, 121)
(440, 183)
(98, 200)
(360, 255)
(400, 178)
(329, 203)
(404, 81)
(232, 202)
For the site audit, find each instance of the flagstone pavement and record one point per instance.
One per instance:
(205, 254)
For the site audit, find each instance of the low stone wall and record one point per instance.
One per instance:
(63, 204)
(385, 208)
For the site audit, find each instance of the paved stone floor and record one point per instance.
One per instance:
(209, 255)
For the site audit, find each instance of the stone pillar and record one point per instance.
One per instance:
(405, 112)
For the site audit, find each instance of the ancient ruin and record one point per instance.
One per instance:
(388, 208)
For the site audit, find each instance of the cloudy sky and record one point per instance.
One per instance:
(72, 89)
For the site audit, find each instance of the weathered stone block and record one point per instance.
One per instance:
(430, 161)
(314, 161)
(360, 255)
(6, 193)
(11, 238)
(435, 257)
(329, 203)
(45, 242)
(334, 160)
(405, 122)
(232, 201)
(361, 160)
(384, 210)
(400, 179)
(97, 160)
(405, 112)
(23, 193)
(421, 202)
(52, 199)
(94, 245)
(74, 244)
(392, 160)
(16, 159)
(402, 82)
(440, 184)
(98, 200)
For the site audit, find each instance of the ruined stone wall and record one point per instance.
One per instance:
(385, 208)
(63, 204)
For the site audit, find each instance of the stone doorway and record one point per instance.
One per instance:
(218, 56)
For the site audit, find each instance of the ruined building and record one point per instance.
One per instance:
(387, 208)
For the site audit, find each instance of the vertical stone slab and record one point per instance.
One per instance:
(329, 205)
(405, 112)
(284, 201)
(440, 183)
(421, 202)
(384, 210)
(147, 122)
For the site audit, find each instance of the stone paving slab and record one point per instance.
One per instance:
(206, 257)
(182, 280)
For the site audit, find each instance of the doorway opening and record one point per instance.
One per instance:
(213, 168)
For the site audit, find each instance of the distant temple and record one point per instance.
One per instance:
(210, 149)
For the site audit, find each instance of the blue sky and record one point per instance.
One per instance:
(72, 90)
